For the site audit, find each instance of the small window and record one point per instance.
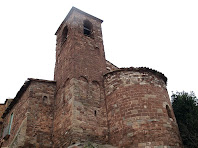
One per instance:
(88, 28)
(64, 34)
(7, 129)
(168, 111)
(46, 100)
(10, 124)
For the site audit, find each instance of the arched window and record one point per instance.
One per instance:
(64, 34)
(88, 28)
(46, 100)
(168, 111)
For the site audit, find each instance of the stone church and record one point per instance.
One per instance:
(91, 102)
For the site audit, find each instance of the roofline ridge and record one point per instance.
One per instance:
(141, 69)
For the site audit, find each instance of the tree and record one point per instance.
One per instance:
(185, 107)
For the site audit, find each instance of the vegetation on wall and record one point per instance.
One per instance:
(185, 106)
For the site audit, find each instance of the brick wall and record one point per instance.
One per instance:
(137, 110)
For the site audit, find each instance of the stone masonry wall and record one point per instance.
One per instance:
(137, 104)
(110, 67)
(40, 114)
(63, 115)
(80, 65)
(32, 116)
(80, 113)
(2, 109)
(79, 55)
(19, 118)
(86, 106)
(89, 111)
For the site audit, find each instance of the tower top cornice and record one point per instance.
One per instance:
(74, 9)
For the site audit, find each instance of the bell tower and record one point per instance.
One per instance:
(80, 112)
(79, 48)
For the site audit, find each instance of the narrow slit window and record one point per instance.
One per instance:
(10, 123)
(168, 111)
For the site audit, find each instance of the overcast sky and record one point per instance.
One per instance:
(159, 34)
